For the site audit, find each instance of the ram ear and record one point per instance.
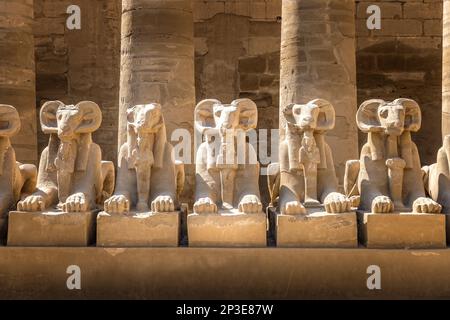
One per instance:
(248, 113)
(327, 116)
(9, 121)
(413, 115)
(367, 116)
(49, 123)
(92, 117)
(204, 116)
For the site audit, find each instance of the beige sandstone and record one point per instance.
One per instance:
(318, 60)
(16, 180)
(402, 230)
(17, 72)
(446, 69)
(138, 229)
(72, 178)
(227, 229)
(141, 210)
(51, 229)
(157, 63)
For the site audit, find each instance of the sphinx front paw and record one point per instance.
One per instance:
(336, 202)
(250, 204)
(205, 205)
(163, 204)
(117, 204)
(293, 207)
(382, 204)
(32, 203)
(76, 203)
(426, 205)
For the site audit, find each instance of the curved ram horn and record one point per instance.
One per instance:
(367, 116)
(248, 118)
(327, 116)
(48, 116)
(288, 115)
(413, 115)
(9, 121)
(204, 116)
(92, 117)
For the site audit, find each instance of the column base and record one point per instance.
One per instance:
(316, 229)
(227, 229)
(402, 230)
(36, 229)
(138, 229)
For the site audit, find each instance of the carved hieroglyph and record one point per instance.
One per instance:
(16, 179)
(147, 170)
(227, 170)
(306, 169)
(388, 176)
(71, 172)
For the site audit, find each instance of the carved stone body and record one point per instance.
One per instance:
(437, 177)
(16, 180)
(71, 175)
(388, 176)
(147, 170)
(307, 174)
(227, 170)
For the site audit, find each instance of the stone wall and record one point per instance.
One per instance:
(76, 65)
(404, 59)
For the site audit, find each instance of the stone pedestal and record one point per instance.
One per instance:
(138, 229)
(36, 229)
(227, 229)
(402, 230)
(316, 229)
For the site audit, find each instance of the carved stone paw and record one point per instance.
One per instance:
(117, 204)
(76, 203)
(205, 205)
(32, 203)
(293, 207)
(337, 203)
(163, 204)
(382, 204)
(250, 204)
(426, 205)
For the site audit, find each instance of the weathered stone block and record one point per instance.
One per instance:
(62, 229)
(227, 229)
(402, 230)
(316, 229)
(138, 229)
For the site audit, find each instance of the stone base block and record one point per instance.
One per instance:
(138, 229)
(402, 230)
(316, 229)
(36, 229)
(227, 229)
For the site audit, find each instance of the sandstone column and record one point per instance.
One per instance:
(446, 70)
(17, 73)
(157, 63)
(318, 60)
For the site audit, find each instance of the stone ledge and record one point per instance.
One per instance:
(402, 230)
(227, 229)
(223, 273)
(75, 229)
(138, 230)
(316, 229)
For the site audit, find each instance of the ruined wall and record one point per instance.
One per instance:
(404, 59)
(76, 65)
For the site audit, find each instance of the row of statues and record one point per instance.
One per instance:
(73, 178)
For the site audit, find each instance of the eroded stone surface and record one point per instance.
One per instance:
(138, 229)
(402, 230)
(54, 228)
(227, 229)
